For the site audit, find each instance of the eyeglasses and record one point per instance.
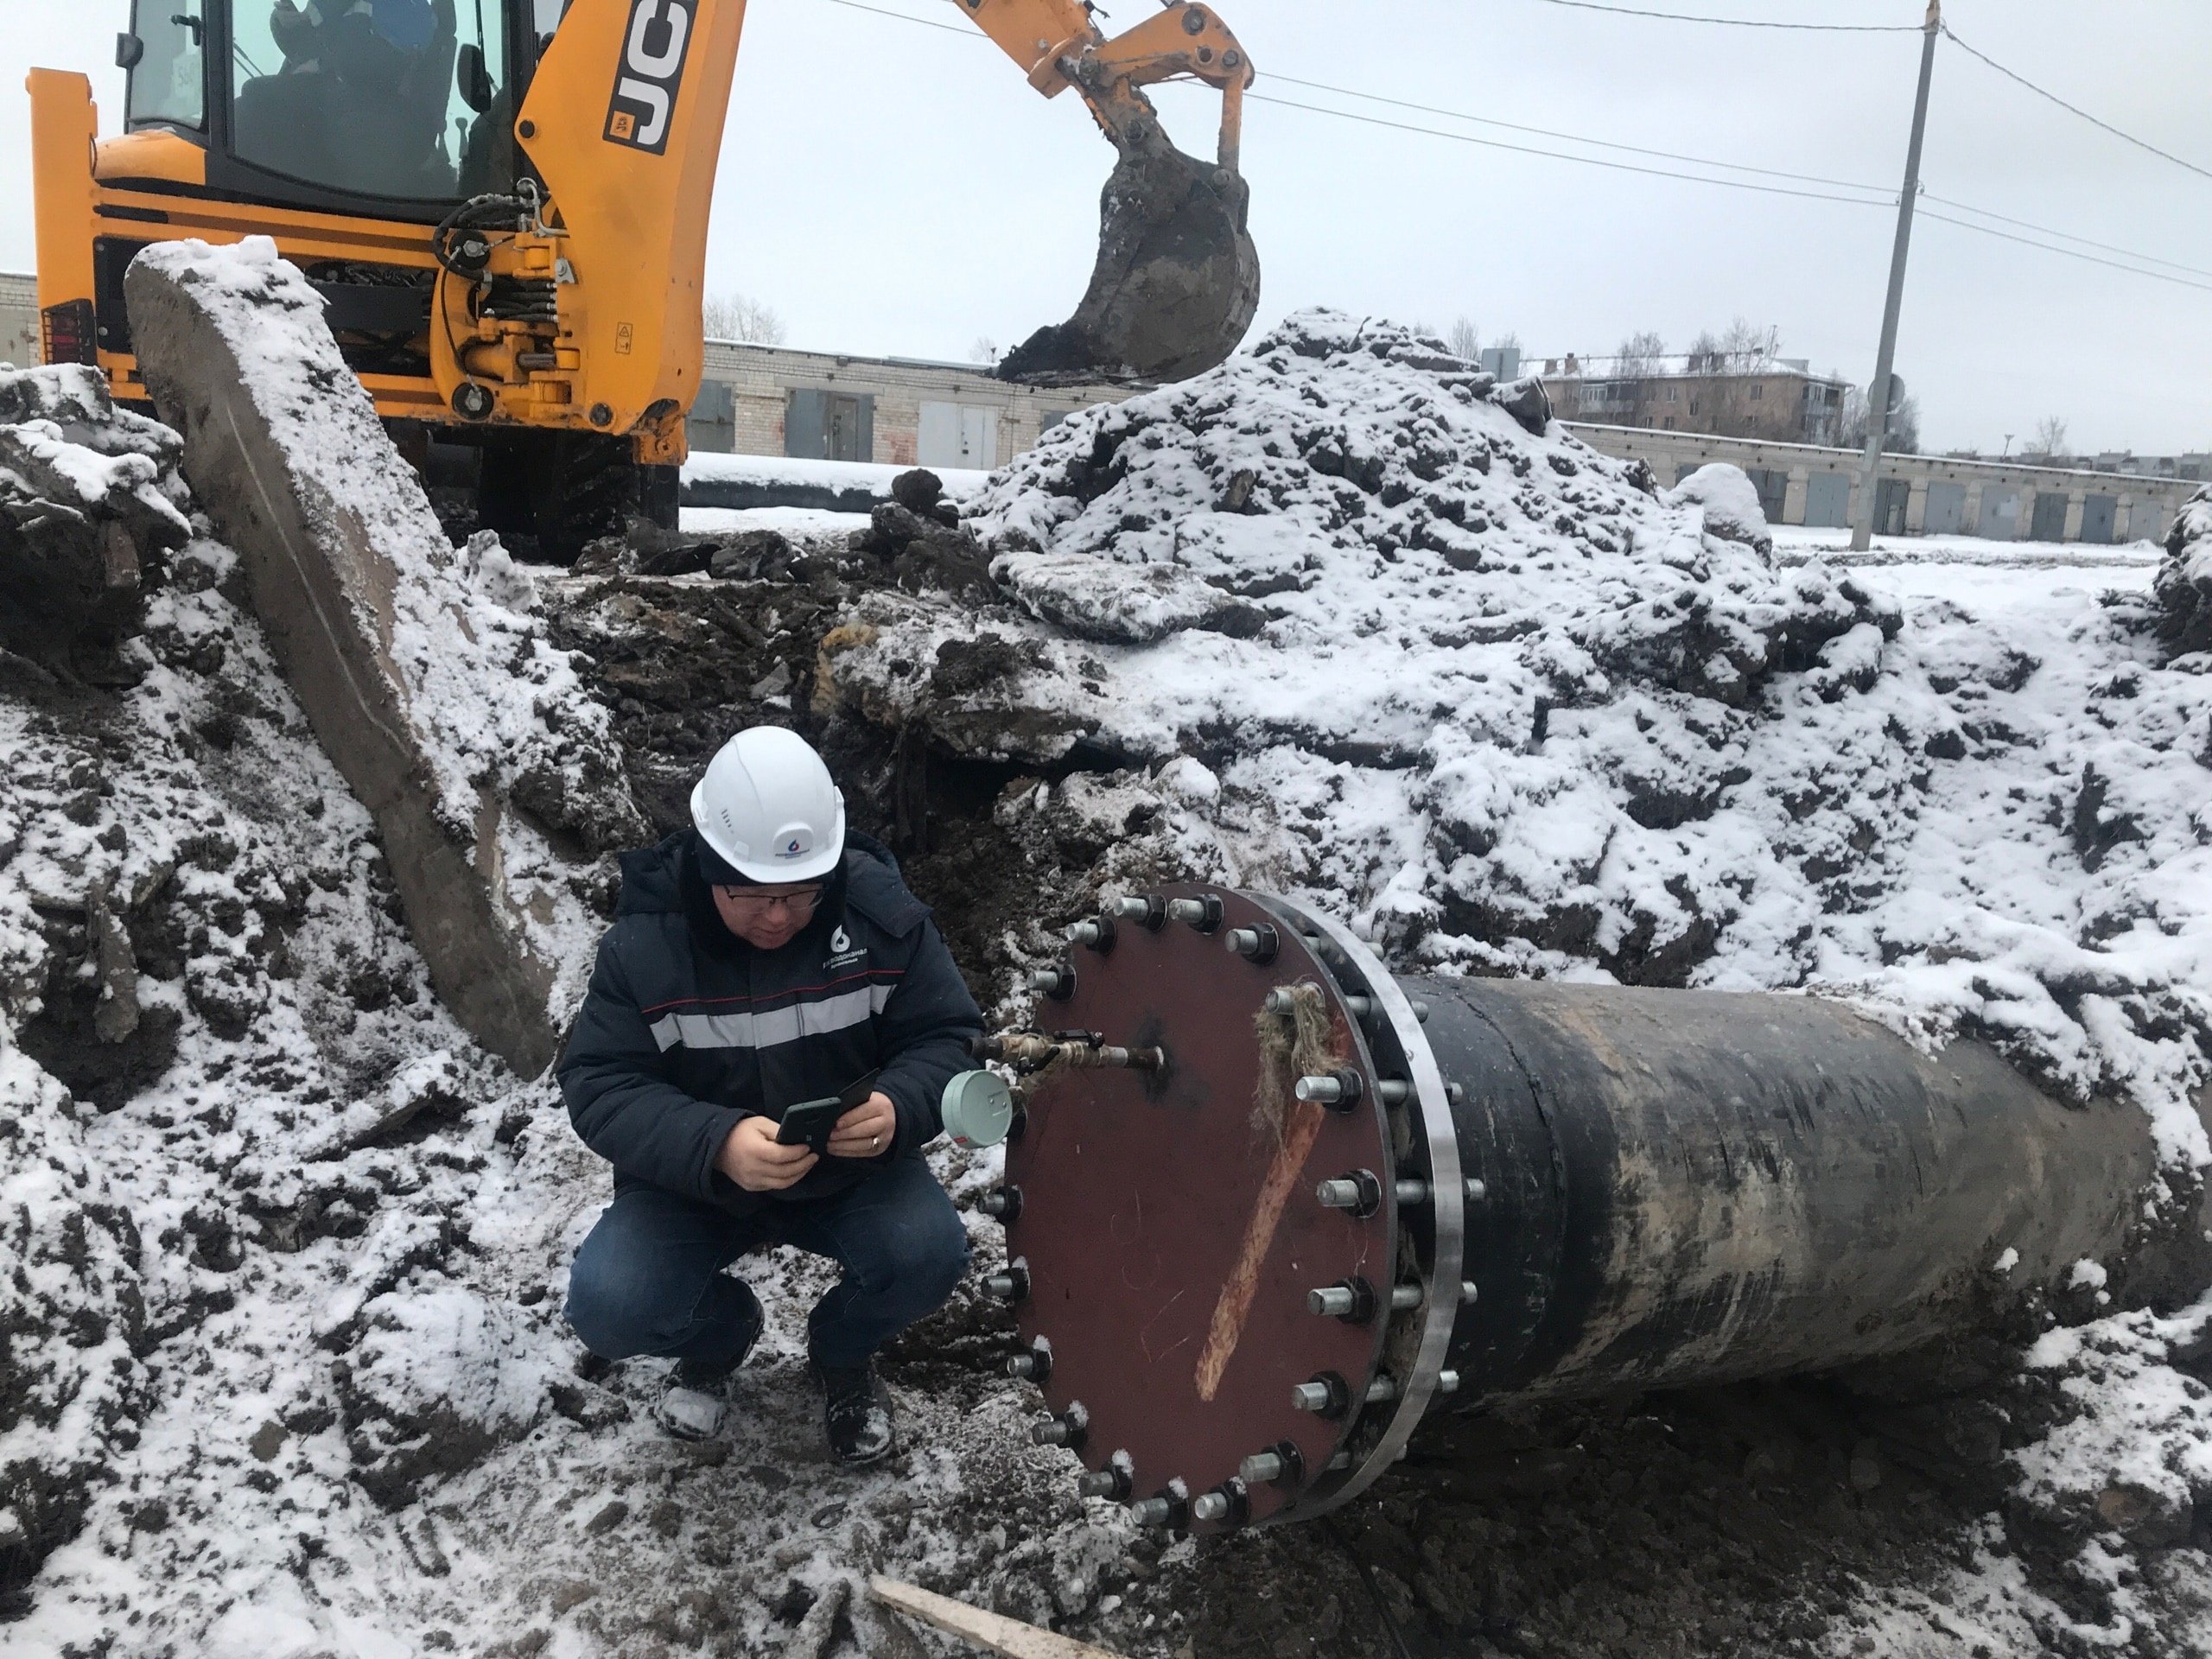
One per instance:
(755, 903)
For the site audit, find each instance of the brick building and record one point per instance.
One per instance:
(769, 400)
(1768, 399)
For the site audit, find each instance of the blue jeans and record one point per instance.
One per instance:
(649, 1280)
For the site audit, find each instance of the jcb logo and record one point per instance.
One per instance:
(653, 54)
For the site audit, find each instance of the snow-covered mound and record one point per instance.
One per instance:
(2185, 579)
(1480, 686)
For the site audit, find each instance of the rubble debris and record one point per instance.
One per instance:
(89, 512)
(491, 774)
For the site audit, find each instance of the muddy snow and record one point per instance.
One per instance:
(282, 1370)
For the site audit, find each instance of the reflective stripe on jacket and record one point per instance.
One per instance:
(686, 1030)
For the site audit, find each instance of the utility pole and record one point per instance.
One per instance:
(1878, 415)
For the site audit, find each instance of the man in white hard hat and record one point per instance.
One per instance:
(765, 959)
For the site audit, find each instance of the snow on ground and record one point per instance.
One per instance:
(291, 1285)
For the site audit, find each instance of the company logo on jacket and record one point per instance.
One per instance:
(842, 954)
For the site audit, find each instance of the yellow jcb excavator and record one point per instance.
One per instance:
(505, 204)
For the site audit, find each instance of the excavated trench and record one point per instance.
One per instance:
(1753, 1519)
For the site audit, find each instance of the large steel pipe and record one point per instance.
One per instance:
(1331, 1200)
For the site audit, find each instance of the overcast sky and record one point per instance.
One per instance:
(895, 189)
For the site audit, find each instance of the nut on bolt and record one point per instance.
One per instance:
(1204, 914)
(1058, 983)
(1148, 910)
(1327, 1395)
(1339, 1090)
(1360, 1192)
(1281, 1465)
(1097, 934)
(1228, 1503)
(1003, 1204)
(1258, 945)
(1036, 1365)
(1010, 1286)
(1068, 1428)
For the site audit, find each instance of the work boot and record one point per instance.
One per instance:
(692, 1399)
(856, 1414)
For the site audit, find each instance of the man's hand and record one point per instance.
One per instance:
(867, 1130)
(751, 1158)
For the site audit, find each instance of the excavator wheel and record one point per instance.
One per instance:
(1177, 283)
(550, 495)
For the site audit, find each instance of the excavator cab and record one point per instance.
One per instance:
(504, 204)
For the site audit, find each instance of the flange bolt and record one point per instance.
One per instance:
(1359, 1193)
(1148, 912)
(1035, 1366)
(1280, 1464)
(1204, 914)
(1225, 1503)
(1004, 1204)
(1258, 945)
(1095, 935)
(1339, 1090)
(1112, 1481)
(1058, 983)
(1170, 1508)
(1350, 1300)
(1326, 1395)
(1011, 1286)
(1068, 1428)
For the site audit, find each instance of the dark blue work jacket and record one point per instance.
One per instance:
(687, 1030)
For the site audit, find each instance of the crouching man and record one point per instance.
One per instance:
(764, 959)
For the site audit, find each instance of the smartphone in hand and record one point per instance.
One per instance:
(809, 1122)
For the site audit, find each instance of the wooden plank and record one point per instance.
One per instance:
(993, 1632)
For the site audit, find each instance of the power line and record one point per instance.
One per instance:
(909, 18)
(2071, 109)
(1563, 155)
(2065, 236)
(1872, 200)
(1575, 137)
(1742, 22)
(2070, 253)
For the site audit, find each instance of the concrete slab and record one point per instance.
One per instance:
(425, 672)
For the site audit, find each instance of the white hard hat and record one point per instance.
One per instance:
(768, 808)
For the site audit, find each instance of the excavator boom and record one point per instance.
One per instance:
(506, 204)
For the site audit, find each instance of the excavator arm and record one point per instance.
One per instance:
(624, 122)
(1058, 46)
(1177, 279)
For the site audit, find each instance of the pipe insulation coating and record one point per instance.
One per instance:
(1520, 1190)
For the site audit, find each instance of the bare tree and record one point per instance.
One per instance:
(985, 351)
(1638, 364)
(1464, 340)
(1903, 436)
(2050, 439)
(741, 318)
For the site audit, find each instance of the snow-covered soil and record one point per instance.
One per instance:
(284, 1372)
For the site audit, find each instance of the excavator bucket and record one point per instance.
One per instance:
(1177, 279)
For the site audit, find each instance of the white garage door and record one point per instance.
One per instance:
(955, 434)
